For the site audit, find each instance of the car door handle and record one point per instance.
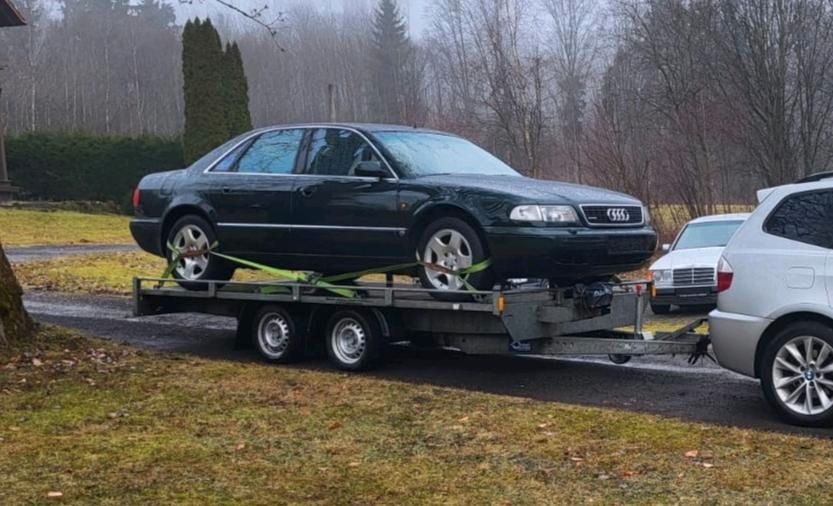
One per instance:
(307, 191)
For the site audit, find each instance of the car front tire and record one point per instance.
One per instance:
(193, 234)
(797, 374)
(453, 244)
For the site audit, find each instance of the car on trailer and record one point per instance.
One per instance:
(340, 197)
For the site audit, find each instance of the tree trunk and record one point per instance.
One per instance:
(15, 322)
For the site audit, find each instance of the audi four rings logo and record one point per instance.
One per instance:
(618, 214)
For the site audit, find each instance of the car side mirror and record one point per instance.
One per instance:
(372, 168)
(666, 248)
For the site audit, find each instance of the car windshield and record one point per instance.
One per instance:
(427, 154)
(707, 235)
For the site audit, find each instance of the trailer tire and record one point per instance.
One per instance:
(354, 340)
(275, 334)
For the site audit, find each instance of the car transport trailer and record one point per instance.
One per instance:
(285, 320)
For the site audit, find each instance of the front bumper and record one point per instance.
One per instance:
(735, 339)
(686, 296)
(568, 253)
(146, 233)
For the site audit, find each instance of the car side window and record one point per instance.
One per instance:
(272, 153)
(804, 217)
(227, 164)
(335, 152)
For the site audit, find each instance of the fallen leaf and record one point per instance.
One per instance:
(54, 494)
(708, 465)
(692, 454)
(706, 455)
(37, 362)
(464, 419)
(628, 473)
(354, 464)
(577, 459)
(335, 425)
(543, 425)
(241, 446)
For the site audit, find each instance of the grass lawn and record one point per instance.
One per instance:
(100, 423)
(23, 227)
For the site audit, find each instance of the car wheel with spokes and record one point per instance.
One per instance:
(191, 238)
(797, 374)
(446, 246)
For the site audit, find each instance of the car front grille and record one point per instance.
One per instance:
(697, 276)
(612, 215)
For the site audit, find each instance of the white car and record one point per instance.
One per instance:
(685, 276)
(774, 316)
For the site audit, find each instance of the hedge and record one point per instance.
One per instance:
(55, 166)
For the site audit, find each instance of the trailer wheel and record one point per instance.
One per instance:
(354, 340)
(275, 334)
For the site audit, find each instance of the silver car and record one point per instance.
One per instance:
(774, 316)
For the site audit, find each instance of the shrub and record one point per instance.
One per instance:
(59, 166)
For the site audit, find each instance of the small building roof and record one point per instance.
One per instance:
(9, 15)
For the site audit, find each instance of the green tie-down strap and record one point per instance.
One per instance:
(315, 279)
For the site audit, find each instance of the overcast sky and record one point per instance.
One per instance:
(415, 11)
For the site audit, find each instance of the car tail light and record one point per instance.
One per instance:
(725, 274)
(136, 198)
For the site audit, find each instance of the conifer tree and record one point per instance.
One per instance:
(237, 91)
(206, 126)
(391, 51)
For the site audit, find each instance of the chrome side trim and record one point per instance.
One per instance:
(301, 127)
(146, 220)
(312, 227)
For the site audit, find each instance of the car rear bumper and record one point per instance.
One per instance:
(735, 339)
(568, 253)
(686, 296)
(146, 233)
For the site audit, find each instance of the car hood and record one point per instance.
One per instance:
(530, 190)
(696, 257)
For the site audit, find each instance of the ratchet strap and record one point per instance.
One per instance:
(315, 279)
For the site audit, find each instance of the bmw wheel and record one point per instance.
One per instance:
(797, 374)
(192, 236)
(451, 244)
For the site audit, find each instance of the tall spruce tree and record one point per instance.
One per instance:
(237, 91)
(391, 51)
(206, 126)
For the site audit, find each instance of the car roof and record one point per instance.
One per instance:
(787, 189)
(721, 217)
(364, 127)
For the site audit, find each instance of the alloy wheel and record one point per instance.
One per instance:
(802, 374)
(191, 239)
(447, 248)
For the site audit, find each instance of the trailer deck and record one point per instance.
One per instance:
(601, 319)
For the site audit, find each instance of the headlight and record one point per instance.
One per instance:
(646, 215)
(546, 214)
(663, 277)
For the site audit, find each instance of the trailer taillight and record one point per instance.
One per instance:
(136, 198)
(725, 274)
